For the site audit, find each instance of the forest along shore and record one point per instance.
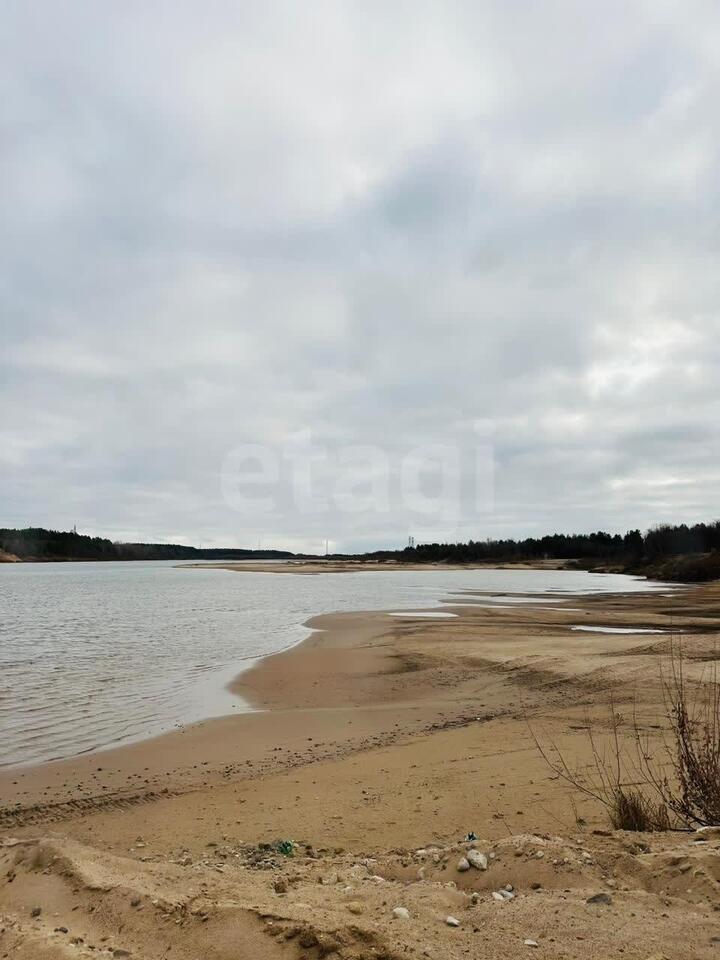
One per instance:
(378, 746)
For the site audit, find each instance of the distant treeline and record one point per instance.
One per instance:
(666, 552)
(36, 543)
(677, 552)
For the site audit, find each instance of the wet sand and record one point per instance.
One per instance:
(375, 737)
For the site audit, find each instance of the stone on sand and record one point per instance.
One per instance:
(603, 898)
(477, 859)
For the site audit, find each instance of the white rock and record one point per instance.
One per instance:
(531, 943)
(452, 921)
(463, 864)
(402, 913)
(477, 859)
(496, 895)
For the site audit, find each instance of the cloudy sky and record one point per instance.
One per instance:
(279, 271)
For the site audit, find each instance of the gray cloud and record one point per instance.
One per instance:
(377, 223)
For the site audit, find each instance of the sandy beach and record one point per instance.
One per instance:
(376, 746)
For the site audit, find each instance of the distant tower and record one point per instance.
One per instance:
(326, 547)
(411, 543)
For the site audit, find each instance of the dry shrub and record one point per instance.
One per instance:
(692, 791)
(678, 791)
(630, 809)
(628, 806)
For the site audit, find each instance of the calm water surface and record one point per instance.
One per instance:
(96, 654)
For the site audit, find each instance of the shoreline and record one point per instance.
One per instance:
(378, 745)
(226, 678)
(374, 623)
(353, 655)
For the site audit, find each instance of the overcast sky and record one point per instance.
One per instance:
(480, 237)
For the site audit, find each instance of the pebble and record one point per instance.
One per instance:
(600, 898)
(463, 865)
(502, 895)
(477, 859)
(452, 921)
(357, 908)
(531, 943)
(402, 913)
(36, 911)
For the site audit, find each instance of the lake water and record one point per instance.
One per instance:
(97, 654)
